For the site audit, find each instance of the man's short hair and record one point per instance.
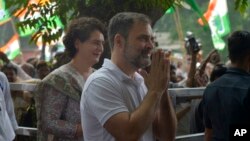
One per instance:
(10, 67)
(239, 45)
(218, 71)
(29, 69)
(122, 22)
(80, 28)
(41, 64)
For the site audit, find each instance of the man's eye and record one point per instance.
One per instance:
(144, 39)
(96, 43)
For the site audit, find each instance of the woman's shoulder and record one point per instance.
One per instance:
(59, 72)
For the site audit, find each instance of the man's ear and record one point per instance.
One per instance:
(119, 41)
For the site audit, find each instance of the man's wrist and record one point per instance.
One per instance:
(155, 93)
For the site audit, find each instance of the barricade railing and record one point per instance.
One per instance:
(177, 94)
(26, 131)
(22, 87)
(184, 94)
(190, 137)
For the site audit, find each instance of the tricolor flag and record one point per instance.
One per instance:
(12, 48)
(218, 21)
(9, 39)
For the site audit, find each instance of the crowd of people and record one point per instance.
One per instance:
(127, 97)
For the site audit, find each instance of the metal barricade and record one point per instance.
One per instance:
(177, 94)
(26, 131)
(191, 137)
(183, 94)
(22, 87)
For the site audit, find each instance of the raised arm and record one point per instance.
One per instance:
(190, 80)
(201, 78)
(165, 124)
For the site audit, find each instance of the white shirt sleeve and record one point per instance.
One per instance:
(104, 99)
(8, 101)
(6, 130)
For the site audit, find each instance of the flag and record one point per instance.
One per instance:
(196, 8)
(218, 20)
(170, 10)
(12, 47)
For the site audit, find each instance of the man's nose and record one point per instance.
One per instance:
(150, 44)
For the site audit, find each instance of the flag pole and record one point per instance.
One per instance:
(179, 30)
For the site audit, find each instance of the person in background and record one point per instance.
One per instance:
(173, 77)
(179, 71)
(20, 72)
(33, 61)
(59, 93)
(227, 99)
(118, 103)
(173, 83)
(196, 120)
(60, 59)
(11, 73)
(29, 69)
(8, 123)
(42, 69)
(20, 98)
(197, 77)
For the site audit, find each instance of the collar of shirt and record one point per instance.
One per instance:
(238, 71)
(108, 64)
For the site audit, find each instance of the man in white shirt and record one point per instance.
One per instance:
(8, 123)
(117, 102)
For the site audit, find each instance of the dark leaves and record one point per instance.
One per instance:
(241, 5)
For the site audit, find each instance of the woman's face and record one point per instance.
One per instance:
(90, 50)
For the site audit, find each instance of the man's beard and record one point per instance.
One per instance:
(141, 60)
